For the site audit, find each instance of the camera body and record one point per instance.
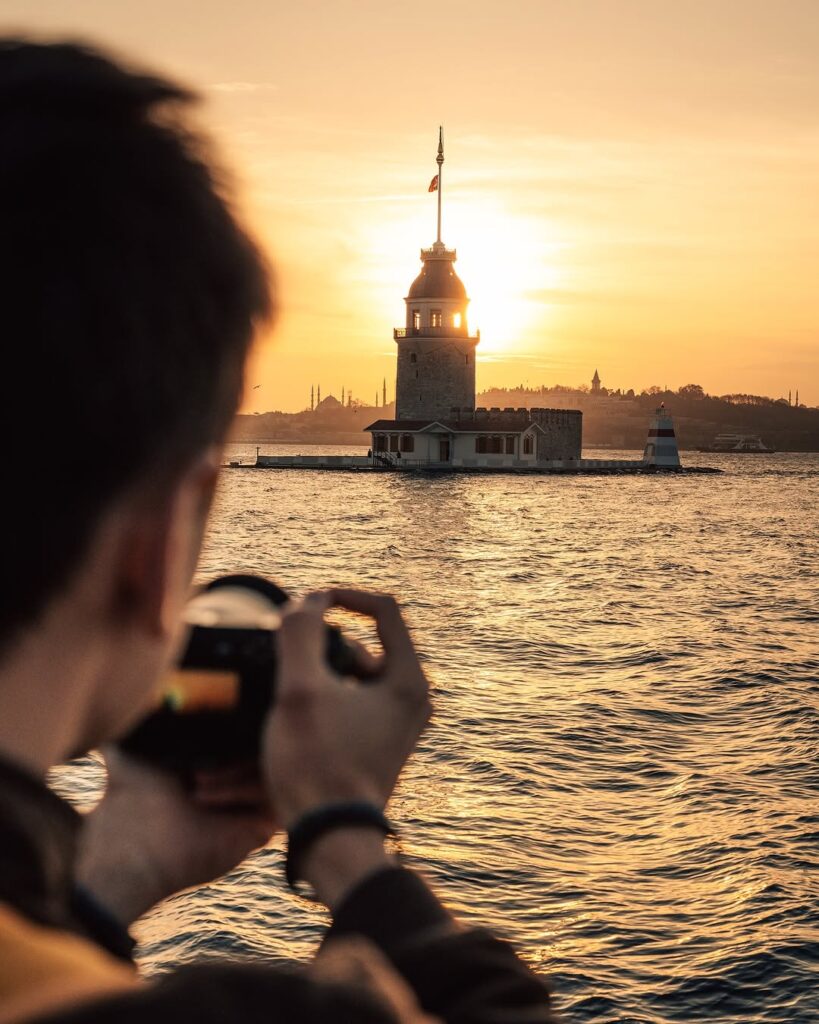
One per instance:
(214, 703)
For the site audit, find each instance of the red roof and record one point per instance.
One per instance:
(408, 425)
(484, 425)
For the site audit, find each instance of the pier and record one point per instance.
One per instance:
(385, 463)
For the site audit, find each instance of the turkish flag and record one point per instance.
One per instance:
(433, 185)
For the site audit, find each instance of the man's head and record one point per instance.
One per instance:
(130, 296)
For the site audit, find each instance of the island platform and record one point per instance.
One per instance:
(381, 464)
(661, 455)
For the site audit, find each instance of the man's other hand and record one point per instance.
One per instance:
(150, 837)
(332, 740)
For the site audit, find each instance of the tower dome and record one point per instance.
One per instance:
(438, 279)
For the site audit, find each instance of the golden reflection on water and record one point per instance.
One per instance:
(621, 774)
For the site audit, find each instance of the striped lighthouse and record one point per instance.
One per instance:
(661, 446)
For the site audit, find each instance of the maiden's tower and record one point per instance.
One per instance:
(435, 416)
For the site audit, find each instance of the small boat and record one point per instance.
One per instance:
(738, 444)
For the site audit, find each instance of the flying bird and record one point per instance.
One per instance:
(256, 386)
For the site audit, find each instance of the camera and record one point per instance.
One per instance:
(214, 702)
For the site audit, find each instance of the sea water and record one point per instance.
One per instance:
(622, 772)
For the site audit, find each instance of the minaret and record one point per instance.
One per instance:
(384, 392)
(436, 354)
(312, 398)
(318, 395)
(342, 394)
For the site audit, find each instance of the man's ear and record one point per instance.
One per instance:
(203, 478)
(160, 548)
(144, 570)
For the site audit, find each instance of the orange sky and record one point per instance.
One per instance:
(631, 185)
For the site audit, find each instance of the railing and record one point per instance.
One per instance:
(441, 253)
(407, 460)
(434, 332)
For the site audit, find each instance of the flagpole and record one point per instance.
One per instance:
(440, 160)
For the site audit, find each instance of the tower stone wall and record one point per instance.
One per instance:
(433, 376)
(562, 436)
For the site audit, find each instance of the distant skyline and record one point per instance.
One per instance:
(632, 185)
(320, 393)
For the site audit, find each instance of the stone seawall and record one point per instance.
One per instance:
(361, 463)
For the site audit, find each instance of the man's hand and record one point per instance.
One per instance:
(329, 740)
(149, 838)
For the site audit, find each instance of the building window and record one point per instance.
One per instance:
(466, 358)
(456, 321)
(407, 443)
(416, 319)
(380, 442)
(491, 444)
(510, 444)
(393, 442)
(528, 444)
(436, 318)
(413, 357)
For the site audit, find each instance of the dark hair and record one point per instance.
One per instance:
(129, 296)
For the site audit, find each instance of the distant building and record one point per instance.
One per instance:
(484, 437)
(435, 416)
(328, 403)
(595, 388)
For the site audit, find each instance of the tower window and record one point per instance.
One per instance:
(416, 319)
(456, 320)
(413, 357)
(528, 444)
(510, 444)
(435, 318)
(393, 442)
(407, 443)
(480, 444)
(466, 357)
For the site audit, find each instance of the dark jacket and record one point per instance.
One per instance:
(459, 975)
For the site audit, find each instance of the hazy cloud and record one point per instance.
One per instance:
(243, 87)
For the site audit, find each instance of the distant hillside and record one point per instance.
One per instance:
(619, 419)
(330, 423)
(614, 419)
